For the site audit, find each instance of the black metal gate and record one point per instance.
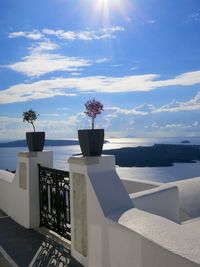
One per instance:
(55, 200)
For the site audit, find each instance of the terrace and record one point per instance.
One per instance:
(114, 222)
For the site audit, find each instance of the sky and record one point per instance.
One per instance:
(140, 58)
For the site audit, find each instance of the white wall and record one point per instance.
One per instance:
(133, 186)
(19, 194)
(112, 198)
(188, 191)
(162, 201)
(189, 196)
(125, 236)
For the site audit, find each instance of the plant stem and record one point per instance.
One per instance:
(92, 123)
(33, 126)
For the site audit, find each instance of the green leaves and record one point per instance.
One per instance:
(30, 116)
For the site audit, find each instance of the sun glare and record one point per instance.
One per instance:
(106, 8)
(109, 4)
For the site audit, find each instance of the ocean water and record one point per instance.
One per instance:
(8, 159)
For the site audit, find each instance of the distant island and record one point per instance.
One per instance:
(185, 142)
(48, 142)
(158, 155)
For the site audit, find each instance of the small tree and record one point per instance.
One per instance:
(93, 108)
(30, 116)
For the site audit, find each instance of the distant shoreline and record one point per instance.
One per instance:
(48, 142)
(158, 155)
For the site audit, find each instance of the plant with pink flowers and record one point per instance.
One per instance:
(93, 108)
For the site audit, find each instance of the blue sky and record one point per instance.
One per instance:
(140, 58)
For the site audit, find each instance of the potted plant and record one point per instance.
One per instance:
(91, 140)
(35, 140)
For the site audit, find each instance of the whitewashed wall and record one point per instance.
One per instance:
(134, 186)
(162, 201)
(120, 235)
(19, 192)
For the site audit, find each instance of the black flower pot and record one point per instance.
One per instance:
(35, 141)
(91, 142)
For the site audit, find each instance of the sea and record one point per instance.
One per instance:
(179, 171)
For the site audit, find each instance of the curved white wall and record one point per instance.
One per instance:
(134, 186)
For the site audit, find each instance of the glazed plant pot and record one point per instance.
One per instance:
(91, 142)
(35, 140)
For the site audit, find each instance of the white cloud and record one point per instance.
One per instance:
(115, 29)
(45, 45)
(33, 35)
(175, 106)
(14, 128)
(61, 34)
(75, 73)
(185, 79)
(40, 61)
(145, 108)
(86, 35)
(117, 65)
(63, 109)
(36, 90)
(195, 124)
(154, 125)
(8, 121)
(50, 114)
(194, 17)
(101, 84)
(117, 119)
(140, 110)
(17, 34)
(116, 122)
(171, 126)
(38, 64)
(11, 128)
(134, 68)
(101, 60)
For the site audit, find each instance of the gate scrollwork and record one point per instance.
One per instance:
(54, 188)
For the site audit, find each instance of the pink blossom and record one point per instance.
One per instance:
(93, 108)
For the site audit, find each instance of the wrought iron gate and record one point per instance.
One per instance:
(55, 200)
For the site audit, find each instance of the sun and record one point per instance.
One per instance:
(109, 12)
(108, 4)
(103, 7)
(106, 9)
(103, 1)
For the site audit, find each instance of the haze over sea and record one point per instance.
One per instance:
(8, 159)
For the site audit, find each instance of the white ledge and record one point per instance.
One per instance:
(80, 160)
(27, 154)
(182, 240)
(6, 176)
